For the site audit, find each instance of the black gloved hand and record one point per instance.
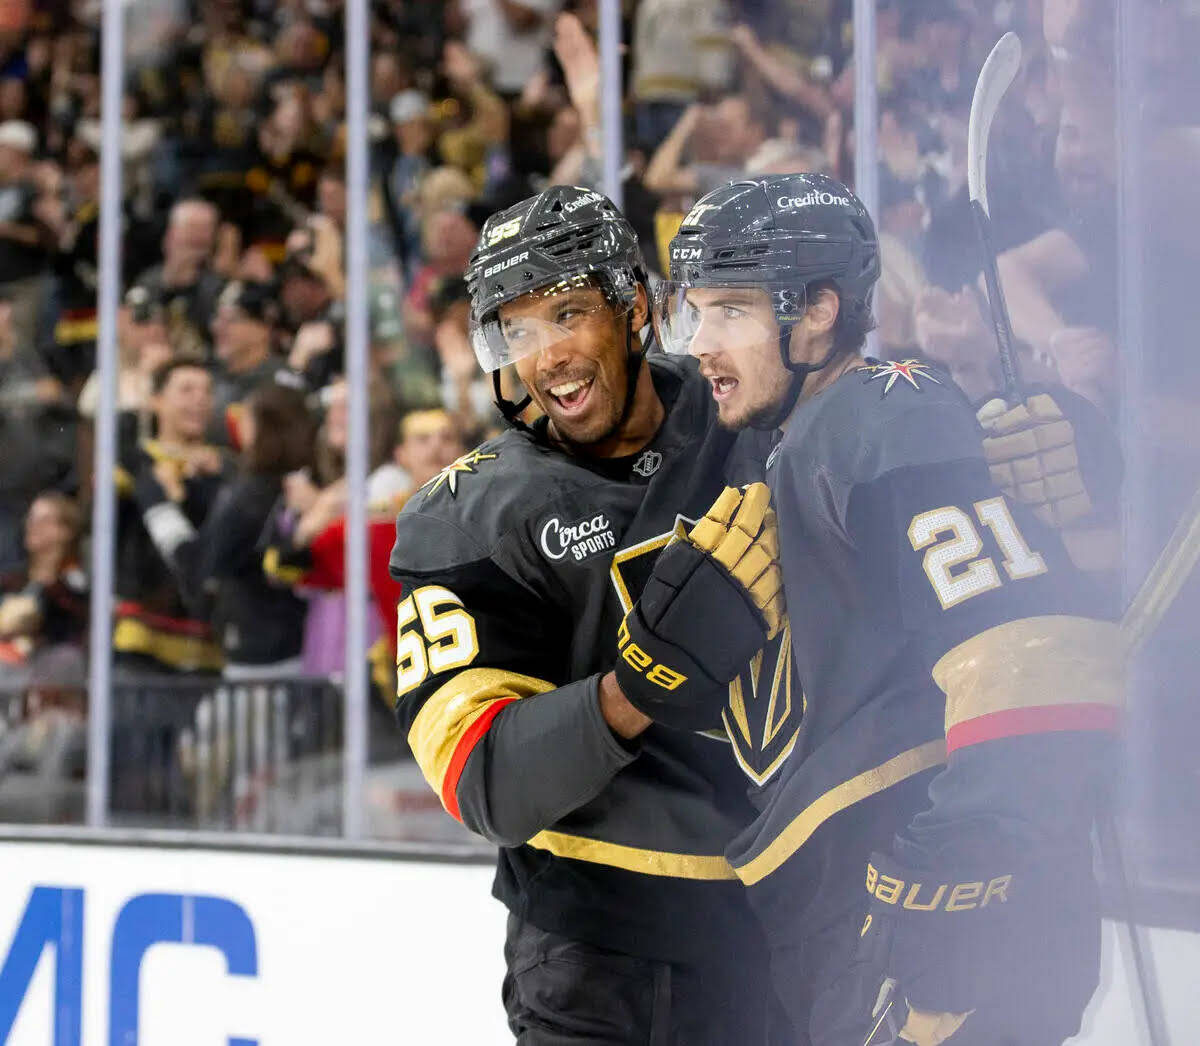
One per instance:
(711, 603)
(944, 942)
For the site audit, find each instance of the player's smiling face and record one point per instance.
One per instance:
(574, 358)
(736, 341)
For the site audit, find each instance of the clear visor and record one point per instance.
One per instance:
(704, 320)
(540, 320)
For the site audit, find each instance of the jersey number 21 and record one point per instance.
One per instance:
(961, 544)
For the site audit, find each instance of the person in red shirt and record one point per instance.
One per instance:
(429, 441)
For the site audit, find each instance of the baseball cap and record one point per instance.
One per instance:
(408, 105)
(19, 135)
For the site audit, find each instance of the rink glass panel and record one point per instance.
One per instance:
(266, 757)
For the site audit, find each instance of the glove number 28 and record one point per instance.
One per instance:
(954, 565)
(445, 639)
(640, 661)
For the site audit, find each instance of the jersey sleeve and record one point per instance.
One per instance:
(508, 742)
(209, 537)
(995, 613)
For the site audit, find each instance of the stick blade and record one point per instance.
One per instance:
(995, 78)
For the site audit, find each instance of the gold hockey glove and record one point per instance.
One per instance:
(740, 532)
(1032, 456)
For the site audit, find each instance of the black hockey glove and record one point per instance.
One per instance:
(945, 943)
(711, 603)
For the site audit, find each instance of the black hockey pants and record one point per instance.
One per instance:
(560, 992)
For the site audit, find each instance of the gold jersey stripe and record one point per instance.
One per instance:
(633, 858)
(71, 332)
(868, 783)
(1033, 662)
(452, 708)
(131, 636)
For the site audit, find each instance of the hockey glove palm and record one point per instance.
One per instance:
(931, 1029)
(894, 1021)
(710, 604)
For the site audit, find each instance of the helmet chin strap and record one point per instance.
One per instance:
(633, 368)
(510, 411)
(800, 371)
(794, 385)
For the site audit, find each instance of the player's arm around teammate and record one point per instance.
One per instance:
(519, 565)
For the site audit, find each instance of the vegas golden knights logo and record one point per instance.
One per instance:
(765, 709)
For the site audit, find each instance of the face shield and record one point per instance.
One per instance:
(705, 320)
(543, 318)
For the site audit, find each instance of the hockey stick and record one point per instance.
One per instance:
(1179, 557)
(1176, 561)
(1170, 570)
(995, 78)
(1166, 577)
(1145, 612)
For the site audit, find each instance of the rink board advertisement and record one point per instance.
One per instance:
(138, 946)
(109, 945)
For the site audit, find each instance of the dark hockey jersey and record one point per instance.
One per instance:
(518, 563)
(151, 616)
(952, 698)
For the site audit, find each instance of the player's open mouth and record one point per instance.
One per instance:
(722, 388)
(571, 395)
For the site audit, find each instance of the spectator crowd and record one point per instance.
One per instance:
(231, 398)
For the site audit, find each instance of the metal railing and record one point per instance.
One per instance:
(260, 758)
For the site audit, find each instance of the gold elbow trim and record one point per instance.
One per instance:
(1035, 662)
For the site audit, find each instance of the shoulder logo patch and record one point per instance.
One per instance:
(449, 475)
(893, 370)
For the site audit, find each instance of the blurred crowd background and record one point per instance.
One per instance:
(231, 394)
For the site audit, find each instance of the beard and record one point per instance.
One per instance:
(622, 402)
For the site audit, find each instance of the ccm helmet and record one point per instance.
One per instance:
(780, 234)
(562, 238)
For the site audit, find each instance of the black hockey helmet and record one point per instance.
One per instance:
(780, 234)
(564, 237)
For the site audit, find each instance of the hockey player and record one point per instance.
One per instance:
(518, 564)
(958, 701)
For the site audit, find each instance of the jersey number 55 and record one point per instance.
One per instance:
(443, 639)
